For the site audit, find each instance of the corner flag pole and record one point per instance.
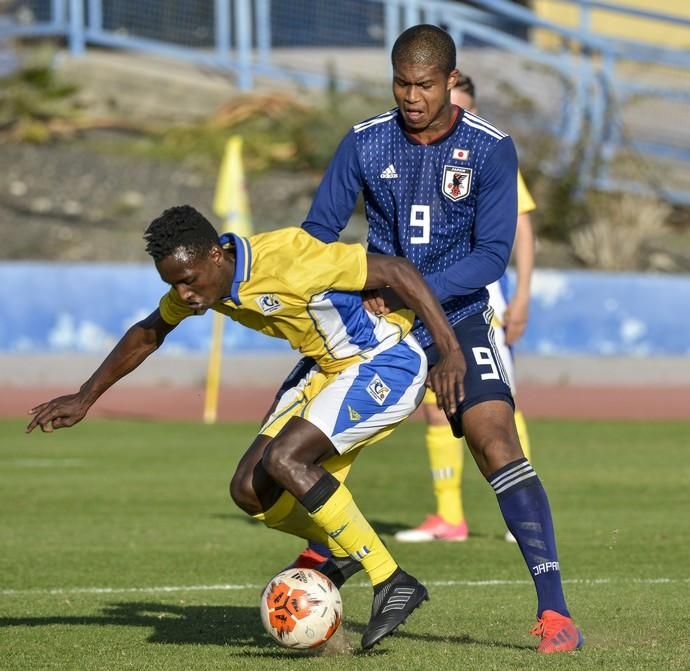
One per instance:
(230, 203)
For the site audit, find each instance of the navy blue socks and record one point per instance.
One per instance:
(527, 514)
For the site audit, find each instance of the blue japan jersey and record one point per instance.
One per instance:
(449, 206)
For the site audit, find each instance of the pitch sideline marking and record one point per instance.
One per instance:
(235, 587)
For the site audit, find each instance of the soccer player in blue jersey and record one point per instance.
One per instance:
(368, 376)
(446, 452)
(439, 186)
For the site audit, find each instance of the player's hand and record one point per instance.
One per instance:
(381, 301)
(515, 320)
(374, 302)
(61, 412)
(446, 379)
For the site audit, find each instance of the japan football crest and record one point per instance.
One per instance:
(456, 182)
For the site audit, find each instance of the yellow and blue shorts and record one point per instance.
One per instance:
(362, 403)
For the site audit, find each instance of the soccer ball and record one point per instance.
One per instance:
(301, 608)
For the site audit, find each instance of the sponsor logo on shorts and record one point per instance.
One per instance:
(269, 303)
(378, 389)
(546, 567)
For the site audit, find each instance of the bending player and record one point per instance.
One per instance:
(368, 376)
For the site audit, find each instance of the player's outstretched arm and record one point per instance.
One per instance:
(517, 311)
(142, 339)
(446, 377)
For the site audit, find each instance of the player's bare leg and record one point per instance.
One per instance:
(491, 435)
(250, 488)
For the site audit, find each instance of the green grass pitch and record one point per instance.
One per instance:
(120, 549)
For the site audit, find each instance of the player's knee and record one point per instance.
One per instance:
(495, 450)
(493, 447)
(275, 461)
(242, 492)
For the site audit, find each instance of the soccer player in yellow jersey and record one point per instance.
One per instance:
(368, 376)
(446, 453)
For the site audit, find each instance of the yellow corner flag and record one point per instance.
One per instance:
(232, 205)
(231, 202)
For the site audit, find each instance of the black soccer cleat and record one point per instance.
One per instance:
(392, 605)
(339, 569)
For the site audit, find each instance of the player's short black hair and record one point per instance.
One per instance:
(180, 226)
(425, 45)
(466, 85)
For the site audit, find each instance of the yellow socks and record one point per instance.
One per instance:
(291, 517)
(523, 435)
(446, 457)
(288, 515)
(342, 520)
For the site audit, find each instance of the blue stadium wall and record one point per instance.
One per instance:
(86, 308)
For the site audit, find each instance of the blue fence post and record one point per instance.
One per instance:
(95, 19)
(391, 18)
(263, 30)
(412, 12)
(431, 15)
(76, 27)
(243, 41)
(585, 18)
(57, 12)
(222, 29)
(459, 38)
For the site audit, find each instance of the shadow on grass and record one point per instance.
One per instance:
(459, 639)
(236, 626)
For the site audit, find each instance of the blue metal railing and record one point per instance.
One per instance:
(587, 5)
(606, 91)
(594, 91)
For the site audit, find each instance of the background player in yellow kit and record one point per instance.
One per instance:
(446, 453)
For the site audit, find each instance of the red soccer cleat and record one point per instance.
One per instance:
(308, 558)
(558, 633)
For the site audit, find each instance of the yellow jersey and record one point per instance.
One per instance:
(525, 202)
(287, 284)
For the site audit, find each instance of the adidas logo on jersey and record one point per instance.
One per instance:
(389, 173)
(354, 415)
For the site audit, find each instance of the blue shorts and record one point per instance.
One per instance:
(486, 378)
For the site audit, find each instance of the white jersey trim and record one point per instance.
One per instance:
(483, 123)
(482, 128)
(381, 118)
